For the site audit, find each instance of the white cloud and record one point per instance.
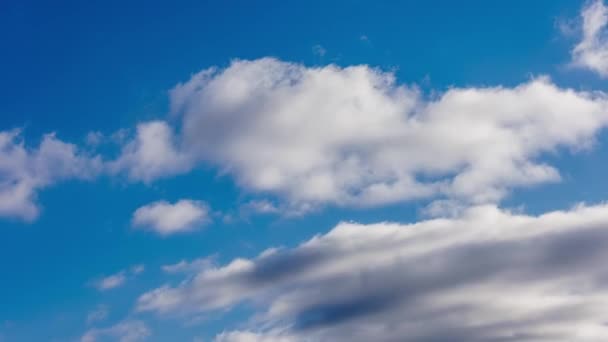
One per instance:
(165, 218)
(260, 206)
(125, 331)
(111, 282)
(94, 138)
(117, 279)
(592, 51)
(152, 154)
(249, 336)
(99, 314)
(319, 50)
(24, 171)
(354, 137)
(312, 136)
(138, 269)
(487, 274)
(193, 266)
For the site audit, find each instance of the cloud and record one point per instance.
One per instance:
(592, 51)
(319, 50)
(165, 218)
(138, 269)
(117, 279)
(151, 154)
(260, 206)
(486, 275)
(248, 336)
(353, 136)
(193, 266)
(25, 170)
(94, 138)
(125, 331)
(99, 314)
(111, 282)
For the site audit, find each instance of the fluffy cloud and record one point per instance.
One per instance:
(151, 154)
(165, 218)
(485, 275)
(125, 331)
(353, 136)
(24, 171)
(592, 51)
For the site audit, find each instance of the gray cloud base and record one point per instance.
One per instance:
(487, 275)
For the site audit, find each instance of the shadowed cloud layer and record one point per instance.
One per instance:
(486, 275)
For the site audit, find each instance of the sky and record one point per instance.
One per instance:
(236, 171)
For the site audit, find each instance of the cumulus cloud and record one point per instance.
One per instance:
(151, 154)
(125, 331)
(592, 51)
(25, 170)
(166, 218)
(352, 136)
(355, 137)
(486, 275)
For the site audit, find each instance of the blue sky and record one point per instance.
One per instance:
(282, 151)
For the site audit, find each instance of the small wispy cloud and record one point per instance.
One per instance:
(117, 279)
(319, 50)
(592, 51)
(111, 282)
(193, 266)
(125, 331)
(100, 313)
(260, 207)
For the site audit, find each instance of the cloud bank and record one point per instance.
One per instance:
(313, 136)
(487, 275)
